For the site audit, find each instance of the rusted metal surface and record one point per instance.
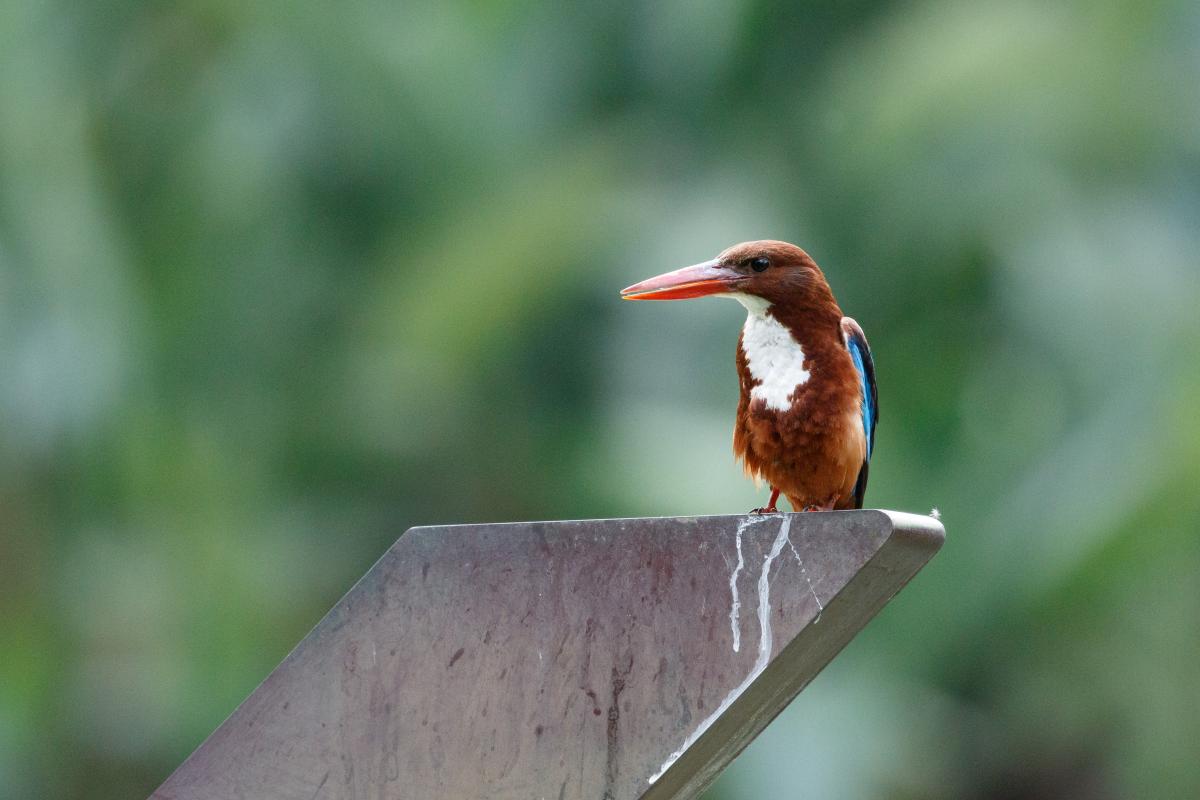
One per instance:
(591, 659)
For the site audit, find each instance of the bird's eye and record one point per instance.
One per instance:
(759, 264)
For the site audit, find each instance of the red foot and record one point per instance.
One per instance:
(769, 508)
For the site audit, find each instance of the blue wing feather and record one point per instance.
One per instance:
(868, 405)
(860, 352)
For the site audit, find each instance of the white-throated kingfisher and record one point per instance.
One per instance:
(808, 408)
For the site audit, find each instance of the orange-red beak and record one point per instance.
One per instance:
(699, 280)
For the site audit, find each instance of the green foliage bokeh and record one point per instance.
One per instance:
(279, 280)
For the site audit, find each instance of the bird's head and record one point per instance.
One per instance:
(777, 272)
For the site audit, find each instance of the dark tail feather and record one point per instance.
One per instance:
(860, 487)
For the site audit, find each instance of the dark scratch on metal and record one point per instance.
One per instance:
(320, 785)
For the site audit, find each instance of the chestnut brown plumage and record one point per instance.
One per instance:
(808, 402)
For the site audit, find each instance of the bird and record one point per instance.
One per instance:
(808, 405)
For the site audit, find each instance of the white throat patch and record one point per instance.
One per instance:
(773, 355)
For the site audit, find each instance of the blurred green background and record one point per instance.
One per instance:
(279, 280)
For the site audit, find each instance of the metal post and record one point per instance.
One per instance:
(591, 659)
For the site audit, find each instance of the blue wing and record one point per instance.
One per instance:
(860, 352)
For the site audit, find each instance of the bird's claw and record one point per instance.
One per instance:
(769, 508)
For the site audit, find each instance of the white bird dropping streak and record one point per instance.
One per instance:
(766, 639)
(808, 580)
(735, 607)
